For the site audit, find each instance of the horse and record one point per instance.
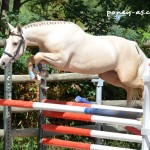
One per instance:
(66, 46)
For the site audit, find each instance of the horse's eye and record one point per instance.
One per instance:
(15, 44)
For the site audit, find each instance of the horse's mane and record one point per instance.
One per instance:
(43, 23)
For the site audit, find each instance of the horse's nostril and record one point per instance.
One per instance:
(3, 63)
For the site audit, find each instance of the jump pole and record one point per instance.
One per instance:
(105, 110)
(92, 133)
(93, 118)
(78, 145)
(68, 108)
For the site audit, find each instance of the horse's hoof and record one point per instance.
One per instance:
(44, 73)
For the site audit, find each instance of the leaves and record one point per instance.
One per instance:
(124, 32)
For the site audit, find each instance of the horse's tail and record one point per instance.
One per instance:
(143, 61)
(137, 94)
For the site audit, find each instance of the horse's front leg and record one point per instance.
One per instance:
(56, 60)
(33, 72)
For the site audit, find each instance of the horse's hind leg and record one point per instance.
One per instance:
(128, 75)
(111, 77)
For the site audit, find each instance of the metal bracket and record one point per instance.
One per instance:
(98, 81)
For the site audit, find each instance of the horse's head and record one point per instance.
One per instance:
(15, 46)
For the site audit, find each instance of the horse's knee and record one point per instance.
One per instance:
(126, 77)
(125, 81)
(38, 57)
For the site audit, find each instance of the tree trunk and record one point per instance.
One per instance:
(0, 7)
(5, 5)
(16, 5)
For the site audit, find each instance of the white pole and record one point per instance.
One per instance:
(103, 147)
(116, 136)
(78, 109)
(115, 120)
(146, 118)
(145, 131)
(99, 85)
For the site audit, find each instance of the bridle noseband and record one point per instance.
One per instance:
(22, 43)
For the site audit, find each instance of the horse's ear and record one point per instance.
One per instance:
(19, 28)
(10, 26)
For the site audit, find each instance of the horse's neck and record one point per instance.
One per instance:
(39, 30)
(34, 35)
(52, 36)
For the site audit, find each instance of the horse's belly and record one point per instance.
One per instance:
(91, 67)
(93, 62)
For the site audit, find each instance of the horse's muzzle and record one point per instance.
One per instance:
(3, 64)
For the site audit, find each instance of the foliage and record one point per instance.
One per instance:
(138, 19)
(68, 91)
(145, 34)
(124, 32)
(18, 143)
(122, 144)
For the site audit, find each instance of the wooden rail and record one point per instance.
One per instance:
(52, 77)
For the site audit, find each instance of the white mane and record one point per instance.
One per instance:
(46, 23)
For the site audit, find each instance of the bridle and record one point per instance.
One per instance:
(22, 43)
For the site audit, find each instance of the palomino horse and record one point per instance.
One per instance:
(65, 46)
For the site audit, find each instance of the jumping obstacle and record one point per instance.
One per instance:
(77, 111)
(81, 109)
(73, 109)
(104, 110)
(81, 131)
(92, 133)
(91, 112)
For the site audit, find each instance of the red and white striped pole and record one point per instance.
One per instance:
(68, 108)
(78, 145)
(92, 133)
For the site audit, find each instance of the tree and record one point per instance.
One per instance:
(138, 17)
(4, 7)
